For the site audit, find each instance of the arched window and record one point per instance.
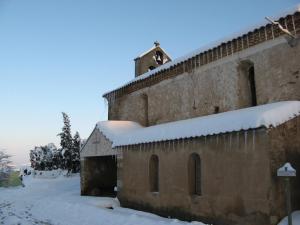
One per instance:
(154, 173)
(194, 174)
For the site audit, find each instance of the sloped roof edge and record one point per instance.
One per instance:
(122, 133)
(202, 49)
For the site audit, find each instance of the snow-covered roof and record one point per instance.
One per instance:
(153, 47)
(269, 115)
(205, 48)
(113, 129)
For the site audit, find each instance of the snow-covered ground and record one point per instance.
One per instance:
(58, 202)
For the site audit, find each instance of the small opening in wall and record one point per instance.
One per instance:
(251, 75)
(151, 68)
(194, 174)
(159, 57)
(154, 173)
(217, 109)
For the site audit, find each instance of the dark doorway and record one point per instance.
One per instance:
(100, 176)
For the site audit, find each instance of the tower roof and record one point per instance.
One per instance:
(156, 45)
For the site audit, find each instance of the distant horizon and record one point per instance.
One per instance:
(62, 56)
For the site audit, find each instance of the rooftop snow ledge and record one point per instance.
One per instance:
(112, 129)
(176, 61)
(269, 115)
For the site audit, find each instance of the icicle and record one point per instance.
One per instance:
(266, 35)
(242, 43)
(285, 23)
(238, 139)
(230, 140)
(140, 147)
(194, 143)
(245, 143)
(253, 140)
(182, 144)
(205, 139)
(226, 49)
(272, 29)
(224, 138)
(173, 145)
(169, 148)
(294, 27)
(217, 139)
(247, 41)
(207, 58)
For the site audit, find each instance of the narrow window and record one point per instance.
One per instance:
(251, 75)
(246, 81)
(146, 109)
(194, 174)
(154, 173)
(151, 68)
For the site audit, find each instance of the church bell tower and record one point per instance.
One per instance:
(151, 59)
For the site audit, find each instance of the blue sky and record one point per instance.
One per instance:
(62, 55)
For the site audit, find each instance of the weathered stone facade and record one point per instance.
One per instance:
(238, 179)
(220, 84)
(98, 166)
(150, 60)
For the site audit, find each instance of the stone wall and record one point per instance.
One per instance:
(239, 182)
(143, 63)
(98, 176)
(97, 145)
(219, 86)
(285, 147)
(98, 166)
(235, 179)
(225, 49)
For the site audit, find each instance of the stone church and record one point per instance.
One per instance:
(201, 137)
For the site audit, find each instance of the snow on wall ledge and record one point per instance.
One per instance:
(123, 133)
(112, 129)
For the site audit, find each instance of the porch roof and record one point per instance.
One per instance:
(123, 133)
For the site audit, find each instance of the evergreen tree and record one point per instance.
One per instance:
(76, 153)
(66, 142)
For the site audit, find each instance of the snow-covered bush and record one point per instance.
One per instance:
(5, 167)
(41, 157)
